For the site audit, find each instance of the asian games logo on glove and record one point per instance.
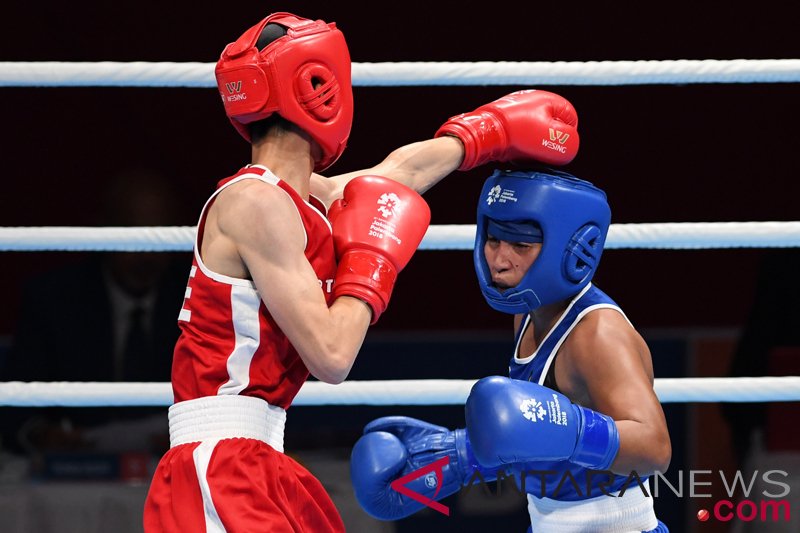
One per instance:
(383, 227)
(532, 409)
(389, 204)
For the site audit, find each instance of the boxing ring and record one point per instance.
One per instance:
(442, 237)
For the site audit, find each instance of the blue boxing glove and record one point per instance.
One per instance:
(394, 447)
(513, 421)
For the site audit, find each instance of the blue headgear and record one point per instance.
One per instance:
(569, 216)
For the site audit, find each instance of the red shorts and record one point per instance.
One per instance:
(239, 485)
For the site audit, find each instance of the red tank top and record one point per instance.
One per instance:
(229, 343)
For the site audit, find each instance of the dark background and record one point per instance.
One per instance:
(663, 153)
(707, 152)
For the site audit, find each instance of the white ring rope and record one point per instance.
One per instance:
(397, 392)
(84, 239)
(194, 74)
(673, 235)
(454, 237)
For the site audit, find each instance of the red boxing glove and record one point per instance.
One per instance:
(377, 226)
(524, 125)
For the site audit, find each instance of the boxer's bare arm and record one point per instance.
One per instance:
(253, 231)
(605, 365)
(418, 165)
(517, 127)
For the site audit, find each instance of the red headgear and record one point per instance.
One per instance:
(304, 76)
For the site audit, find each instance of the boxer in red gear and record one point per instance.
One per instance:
(278, 290)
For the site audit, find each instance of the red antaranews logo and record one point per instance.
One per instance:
(400, 485)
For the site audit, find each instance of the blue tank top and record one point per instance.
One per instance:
(563, 480)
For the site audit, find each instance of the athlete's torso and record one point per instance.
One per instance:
(229, 342)
(567, 481)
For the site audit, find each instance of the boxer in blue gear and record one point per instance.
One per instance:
(578, 413)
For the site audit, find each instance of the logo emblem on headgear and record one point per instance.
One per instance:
(234, 87)
(500, 195)
(494, 194)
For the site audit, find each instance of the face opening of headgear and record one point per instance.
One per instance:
(569, 216)
(301, 73)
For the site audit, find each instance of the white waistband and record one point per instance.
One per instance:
(226, 417)
(631, 512)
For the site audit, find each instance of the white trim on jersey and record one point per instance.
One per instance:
(186, 314)
(202, 456)
(269, 178)
(268, 172)
(309, 204)
(580, 316)
(551, 357)
(207, 271)
(529, 358)
(321, 215)
(245, 303)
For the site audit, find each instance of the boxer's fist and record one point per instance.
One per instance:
(377, 226)
(513, 421)
(522, 126)
(396, 446)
